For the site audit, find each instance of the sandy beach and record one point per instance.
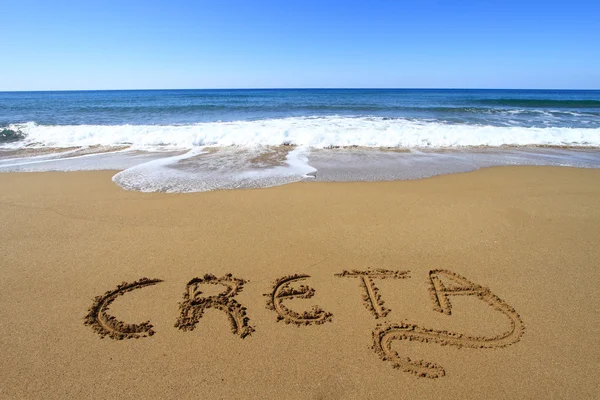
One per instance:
(474, 285)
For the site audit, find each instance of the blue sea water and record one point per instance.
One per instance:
(160, 138)
(525, 108)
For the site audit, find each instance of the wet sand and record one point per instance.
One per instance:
(480, 284)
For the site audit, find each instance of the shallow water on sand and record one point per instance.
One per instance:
(214, 168)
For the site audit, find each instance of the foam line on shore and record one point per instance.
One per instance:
(224, 171)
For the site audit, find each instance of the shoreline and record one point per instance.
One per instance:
(110, 173)
(527, 234)
(213, 168)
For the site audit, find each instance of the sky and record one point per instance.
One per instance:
(144, 44)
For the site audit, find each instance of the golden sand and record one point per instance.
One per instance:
(481, 284)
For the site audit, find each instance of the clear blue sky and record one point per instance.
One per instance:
(47, 45)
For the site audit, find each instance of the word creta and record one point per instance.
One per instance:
(442, 285)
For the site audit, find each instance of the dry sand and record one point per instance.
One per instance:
(529, 234)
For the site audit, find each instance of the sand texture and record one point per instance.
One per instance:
(475, 285)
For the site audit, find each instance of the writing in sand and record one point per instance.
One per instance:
(443, 284)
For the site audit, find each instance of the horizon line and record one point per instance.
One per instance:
(288, 88)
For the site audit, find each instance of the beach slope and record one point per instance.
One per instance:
(482, 284)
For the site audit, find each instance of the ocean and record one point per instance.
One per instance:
(196, 140)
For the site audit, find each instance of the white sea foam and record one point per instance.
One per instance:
(305, 131)
(245, 157)
(229, 169)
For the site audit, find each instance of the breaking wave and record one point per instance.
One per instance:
(315, 132)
